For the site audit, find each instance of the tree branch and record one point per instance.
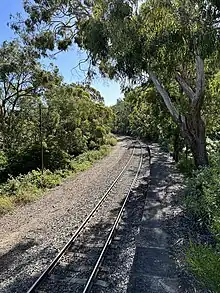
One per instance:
(186, 88)
(166, 98)
(200, 80)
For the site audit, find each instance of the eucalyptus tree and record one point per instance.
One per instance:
(75, 121)
(141, 113)
(121, 124)
(168, 41)
(22, 82)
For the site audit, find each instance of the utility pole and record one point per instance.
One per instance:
(41, 139)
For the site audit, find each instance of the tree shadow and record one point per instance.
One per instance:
(165, 234)
(71, 268)
(7, 258)
(16, 266)
(23, 269)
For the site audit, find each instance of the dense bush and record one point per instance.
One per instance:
(71, 123)
(30, 159)
(203, 194)
(3, 162)
(202, 204)
(28, 187)
(65, 125)
(142, 114)
(204, 261)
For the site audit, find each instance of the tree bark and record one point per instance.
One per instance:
(165, 96)
(193, 129)
(192, 126)
(177, 147)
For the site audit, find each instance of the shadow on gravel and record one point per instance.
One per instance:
(72, 267)
(119, 257)
(13, 261)
(7, 258)
(158, 265)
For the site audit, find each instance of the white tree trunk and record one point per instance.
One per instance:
(192, 126)
(166, 98)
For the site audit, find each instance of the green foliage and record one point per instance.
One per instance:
(26, 188)
(6, 204)
(3, 160)
(30, 159)
(204, 262)
(142, 114)
(186, 166)
(202, 204)
(83, 161)
(125, 41)
(41, 115)
(76, 119)
(203, 195)
(176, 44)
(73, 120)
(212, 107)
(172, 42)
(110, 140)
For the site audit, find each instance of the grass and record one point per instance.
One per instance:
(204, 262)
(202, 205)
(29, 187)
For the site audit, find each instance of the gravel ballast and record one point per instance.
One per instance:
(77, 264)
(120, 255)
(147, 252)
(31, 235)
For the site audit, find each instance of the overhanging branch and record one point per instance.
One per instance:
(164, 94)
(200, 80)
(186, 88)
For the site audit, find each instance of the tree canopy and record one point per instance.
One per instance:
(166, 55)
(174, 43)
(38, 110)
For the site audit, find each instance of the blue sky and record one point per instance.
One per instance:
(65, 61)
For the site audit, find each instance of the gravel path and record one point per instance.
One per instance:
(146, 254)
(34, 233)
(157, 266)
(77, 264)
(119, 258)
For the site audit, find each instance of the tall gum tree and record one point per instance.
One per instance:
(21, 78)
(166, 41)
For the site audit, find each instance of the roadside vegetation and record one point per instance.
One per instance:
(31, 186)
(142, 114)
(166, 55)
(202, 204)
(48, 129)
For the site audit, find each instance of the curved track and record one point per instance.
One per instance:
(89, 241)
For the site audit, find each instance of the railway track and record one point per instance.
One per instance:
(77, 265)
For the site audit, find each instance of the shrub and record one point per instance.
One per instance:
(77, 166)
(203, 194)
(30, 159)
(3, 160)
(111, 140)
(85, 160)
(202, 203)
(5, 204)
(186, 166)
(93, 145)
(204, 261)
(28, 187)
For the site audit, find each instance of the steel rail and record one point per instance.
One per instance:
(50, 267)
(96, 267)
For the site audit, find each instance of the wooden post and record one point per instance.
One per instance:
(41, 140)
